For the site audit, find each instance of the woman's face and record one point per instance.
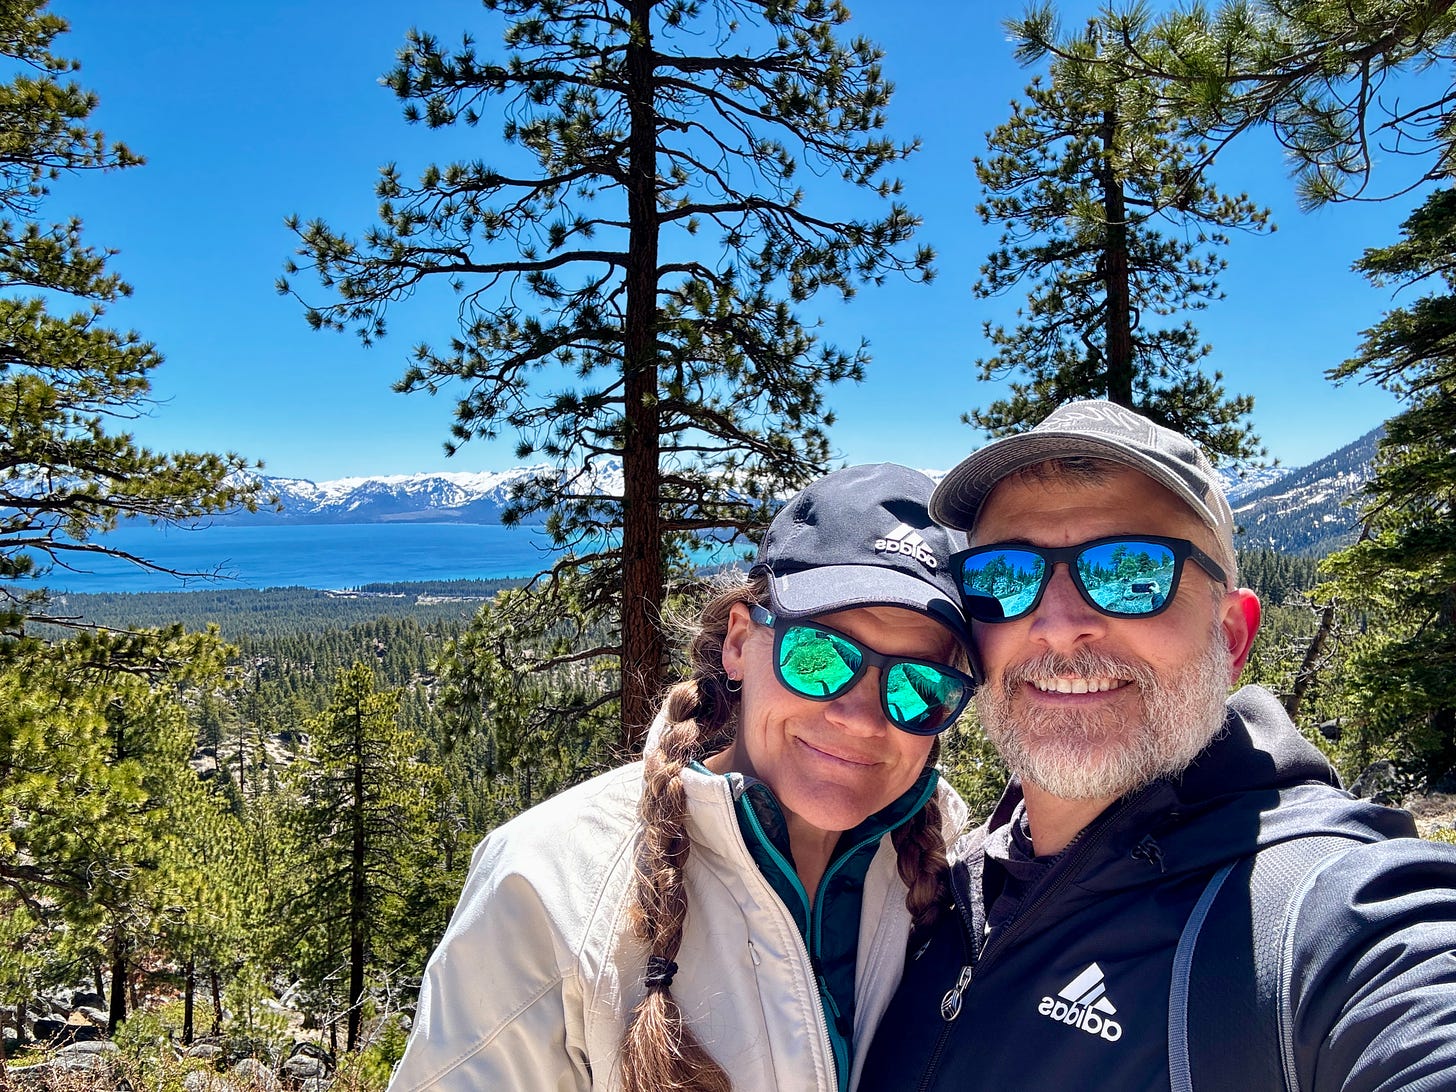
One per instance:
(831, 764)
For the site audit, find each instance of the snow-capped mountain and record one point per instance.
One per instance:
(404, 498)
(1310, 510)
(1296, 511)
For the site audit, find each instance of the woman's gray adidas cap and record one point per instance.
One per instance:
(862, 537)
(1097, 430)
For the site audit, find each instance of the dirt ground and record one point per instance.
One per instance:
(1432, 812)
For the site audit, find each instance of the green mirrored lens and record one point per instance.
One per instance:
(920, 696)
(1001, 583)
(1128, 576)
(815, 663)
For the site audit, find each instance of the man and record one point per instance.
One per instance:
(1111, 930)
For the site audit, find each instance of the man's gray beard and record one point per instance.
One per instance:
(1066, 752)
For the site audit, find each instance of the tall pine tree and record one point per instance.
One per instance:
(67, 379)
(1402, 573)
(365, 803)
(632, 296)
(1108, 216)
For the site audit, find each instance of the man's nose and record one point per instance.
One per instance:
(1064, 619)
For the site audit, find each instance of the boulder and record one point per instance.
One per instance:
(200, 1080)
(307, 1059)
(253, 1074)
(1379, 783)
(80, 1058)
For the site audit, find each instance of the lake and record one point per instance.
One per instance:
(341, 555)
(310, 556)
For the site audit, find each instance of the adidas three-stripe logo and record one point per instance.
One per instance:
(1083, 1003)
(904, 539)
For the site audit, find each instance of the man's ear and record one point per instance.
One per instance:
(1241, 614)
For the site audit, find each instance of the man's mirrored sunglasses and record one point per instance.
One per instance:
(1125, 576)
(815, 662)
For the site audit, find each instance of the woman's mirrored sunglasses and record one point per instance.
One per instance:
(1125, 576)
(819, 663)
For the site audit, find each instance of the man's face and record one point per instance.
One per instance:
(1083, 705)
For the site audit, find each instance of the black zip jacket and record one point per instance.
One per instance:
(1072, 993)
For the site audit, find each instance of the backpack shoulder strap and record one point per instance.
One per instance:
(1227, 1020)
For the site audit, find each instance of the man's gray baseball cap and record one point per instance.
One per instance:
(1096, 430)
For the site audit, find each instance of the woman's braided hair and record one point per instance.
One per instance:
(700, 717)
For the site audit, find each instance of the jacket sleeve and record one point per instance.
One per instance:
(1372, 987)
(500, 1005)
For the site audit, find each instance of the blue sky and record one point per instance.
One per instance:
(252, 110)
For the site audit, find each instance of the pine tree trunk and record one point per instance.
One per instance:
(116, 1015)
(216, 987)
(1312, 654)
(642, 592)
(189, 996)
(357, 890)
(1119, 363)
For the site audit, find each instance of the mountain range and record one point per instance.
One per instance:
(1294, 511)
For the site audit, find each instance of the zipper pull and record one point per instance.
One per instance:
(1148, 850)
(950, 1004)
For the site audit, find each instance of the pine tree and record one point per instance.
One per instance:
(1108, 216)
(365, 803)
(65, 380)
(633, 295)
(1323, 76)
(1402, 573)
(93, 755)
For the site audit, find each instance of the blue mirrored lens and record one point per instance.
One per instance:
(1001, 583)
(1128, 576)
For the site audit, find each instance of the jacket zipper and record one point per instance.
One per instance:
(814, 916)
(807, 960)
(950, 1004)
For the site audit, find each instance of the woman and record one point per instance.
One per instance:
(732, 912)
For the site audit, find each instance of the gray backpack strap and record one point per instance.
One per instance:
(1234, 1007)
(1178, 1065)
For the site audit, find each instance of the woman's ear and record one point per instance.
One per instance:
(740, 626)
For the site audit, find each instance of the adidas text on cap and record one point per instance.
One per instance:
(862, 537)
(1097, 430)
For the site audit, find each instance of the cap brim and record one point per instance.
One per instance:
(829, 588)
(958, 498)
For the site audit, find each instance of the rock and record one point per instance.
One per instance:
(49, 1028)
(308, 1059)
(101, 1046)
(88, 999)
(254, 1074)
(199, 1080)
(1379, 783)
(84, 1057)
(93, 1016)
(205, 1048)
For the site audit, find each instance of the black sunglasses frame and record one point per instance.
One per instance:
(1181, 549)
(868, 658)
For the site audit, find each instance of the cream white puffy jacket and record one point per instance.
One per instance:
(538, 972)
